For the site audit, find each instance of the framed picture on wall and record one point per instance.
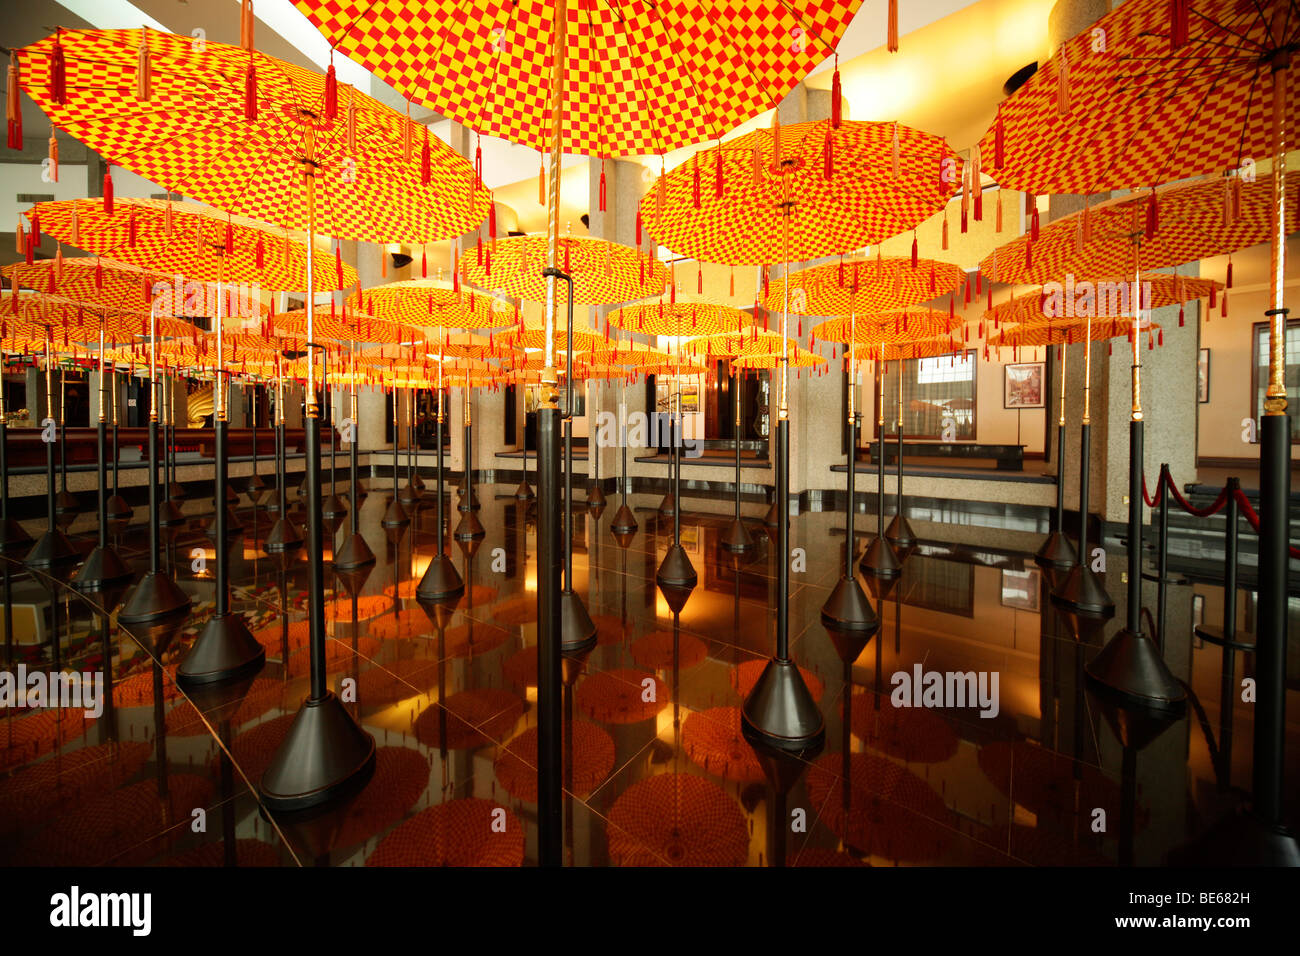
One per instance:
(1020, 589)
(1203, 376)
(1023, 386)
(690, 398)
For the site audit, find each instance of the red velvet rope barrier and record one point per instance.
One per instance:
(1242, 502)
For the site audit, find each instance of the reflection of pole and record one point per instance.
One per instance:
(783, 448)
(1135, 462)
(550, 808)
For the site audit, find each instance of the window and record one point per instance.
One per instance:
(935, 391)
(1259, 373)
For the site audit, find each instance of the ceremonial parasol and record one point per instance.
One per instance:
(677, 819)
(712, 739)
(697, 75)
(620, 696)
(592, 760)
(835, 186)
(467, 832)
(849, 289)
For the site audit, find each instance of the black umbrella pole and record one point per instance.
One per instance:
(1271, 639)
(316, 575)
(223, 552)
(848, 508)
(783, 540)
(1135, 462)
(568, 501)
(1060, 478)
(352, 478)
(153, 495)
(549, 802)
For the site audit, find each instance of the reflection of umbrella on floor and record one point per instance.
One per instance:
(264, 694)
(713, 740)
(654, 651)
(464, 641)
(520, 669)
(248, 852)
(913, 734)
(401, 776)
(893, 812)
(609, 629)
(1045, 781)
(516, 611)
(472, 718)
(677, 819)
(51, 785)
(253, 748)
(380, 686)
(399, 624)
(368, 606)
(126, 827)
(26, 736)
(746, 675)
(137, 691)
(618, 696)
(459, 833)
(593, 759)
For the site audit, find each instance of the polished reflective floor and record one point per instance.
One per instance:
(657, 772)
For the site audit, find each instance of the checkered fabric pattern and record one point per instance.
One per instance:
(679, 318)
(604, 272)
(87, 280)
(1100, 241)
(532, 335)
(1139, 113)
(195, 247)
(762, 354)
(433, 304)
(863, 286)
(897, 327)
(731, 344)
(862, 203)
(192, 137)
(1068, 332)
(28, 315)
(1159, 289)
(342, 328)
(640, 77)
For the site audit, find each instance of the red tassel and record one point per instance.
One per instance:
(717, 173)
(944, 243)
(999, 143)
(250, 91)
(13, 105)
(1029, 255)
(695, 181)
(699, 281)
(1181, 317)
(1223, 311)
(492, 221)
(331, 91)
(733, 282)
(1161, 338)
(638, 235)
(338, 264)
(566, 258)
(1153, 216)
(426, 161)
(1033, 224)
(1213, 297)
(837, 109)
(259, 255)
(58, 72)
(891, 27)
(108, 191)
(230, 237)
(828, 163)
(1228, 280)
(602, 185)
(424, 264)
(1179, 22)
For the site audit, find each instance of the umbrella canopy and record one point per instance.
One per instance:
(604, 272)
(680, 318)
(1172, 95)
(1070, 332)
(88, 280)
(639, 79)
(863, 286)
(757, 355)
(1106, 298)
(351, 326)
(880, 179)
(593, 759)
(432, 304)
(377, 176)
(1188, 223)
(532, 335)
(185, 239)
(457, 833)
(31, 314)
(677, 819)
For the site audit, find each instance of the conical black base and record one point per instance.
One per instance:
(737, 537)
(1081, 591)
(468, 504)
(353, 553)
(595, 497)
(879, 560)
(577, 632)
(234, 527)
(325, 756)
(103, 569)
(773, 517)
(525, 492)
(225, 651)
(284, 536)
(170, 516)
(1057, 551)
(333, 507)
(13, 536)
(1130, 664)
(676, 571)
(232, 496)
(118, 509)
(441, 580)
(50, 550)
(395, 516)
(409, 494)
(623, 522)
(156, 596)
(900, 533)
(176, 492)
(66, 505)
(668, 504)
(780, 711)
(468, 528)
(848, 609)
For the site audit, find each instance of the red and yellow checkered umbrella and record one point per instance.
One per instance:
(343, 328)
(1074, 331)
(433, 304)
(30, 314)
(891, 331)
(88, 280)
(844, 187)
(680, 318)
(177, 238)
(1107, 298)
(532, 335)
(1173, 225)
(762, 354)
(864, 286)
(604, 272)
(1153, 92)
(639, 77)
(236, 128)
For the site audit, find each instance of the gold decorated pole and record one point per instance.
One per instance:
(1275, 399)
